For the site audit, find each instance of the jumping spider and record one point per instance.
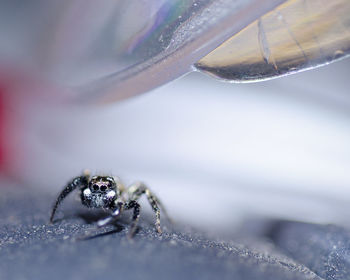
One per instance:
(108, 193)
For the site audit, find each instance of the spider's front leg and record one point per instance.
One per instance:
(133, 204)
(71, 186)
(136, 190)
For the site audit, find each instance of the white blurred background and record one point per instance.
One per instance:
(215, 153)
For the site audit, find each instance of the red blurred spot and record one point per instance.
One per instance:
(5, 133)
(2, 127)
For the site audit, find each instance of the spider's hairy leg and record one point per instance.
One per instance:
(71, 186)
(133, 204)
(136, 190)
(116, 211)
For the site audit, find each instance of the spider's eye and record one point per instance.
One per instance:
(95, 187)
(103, 188)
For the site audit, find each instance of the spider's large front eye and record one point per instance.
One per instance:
(95, 187)
(103, 188)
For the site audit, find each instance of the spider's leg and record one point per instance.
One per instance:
(160, 204)
(71, 186)
(138, 189)
(116, 211)
(135, 217)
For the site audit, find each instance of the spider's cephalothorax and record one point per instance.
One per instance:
(101, 192)
(109, 193)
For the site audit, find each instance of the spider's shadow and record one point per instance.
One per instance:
(89, 217)
(117, 229)
(92, 217)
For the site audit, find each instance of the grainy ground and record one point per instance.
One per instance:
(73, 248)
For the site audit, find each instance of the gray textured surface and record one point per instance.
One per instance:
(324, 249)
(32, 249)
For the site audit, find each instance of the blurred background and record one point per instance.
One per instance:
(216, 153)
